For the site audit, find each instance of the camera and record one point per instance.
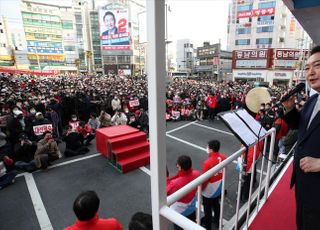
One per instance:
(23, 137)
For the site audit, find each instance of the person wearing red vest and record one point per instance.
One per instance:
(187, 204)
(86, 208)
(211, 189)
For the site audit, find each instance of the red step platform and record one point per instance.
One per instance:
(127, 148)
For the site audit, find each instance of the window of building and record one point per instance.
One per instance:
(263, 41)
(243, 31)
(244, 7)
(67, 24)
(69, 48)
(242, 42)
(1, 31)
(264, 29)
(266, 18)
(109, 59)
(263, 5)
(124, 59)
(78, 18)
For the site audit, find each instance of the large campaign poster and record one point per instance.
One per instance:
(114, 29)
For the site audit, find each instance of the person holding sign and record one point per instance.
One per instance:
(110, 22)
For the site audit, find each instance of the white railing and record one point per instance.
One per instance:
(185, 223)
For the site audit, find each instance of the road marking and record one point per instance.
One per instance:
(181, 127)
(42, 215)
(74, 160)
(186, 142)
(214, 129)
(146, 170)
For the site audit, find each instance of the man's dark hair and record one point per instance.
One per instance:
(86, 205)
(46, 132)
(184, 162)
(140, 221)
(109, 13)
(214, 145)
(314, 50)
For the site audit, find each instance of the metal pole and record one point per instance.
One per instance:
(156, 98)
(269, 163)
(251, 182)
(238, 197)
(222, 198)
(261, 174)
(218, 64)
(199, 204)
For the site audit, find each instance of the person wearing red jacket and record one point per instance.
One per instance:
(282, 129)
(187, 204)
(85, 130)
(249, 170)
(212, 103)
(86, 208)
(211, 189)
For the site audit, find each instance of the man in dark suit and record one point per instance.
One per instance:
(306, 173)
(110, 22)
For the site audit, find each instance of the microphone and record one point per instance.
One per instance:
(295, 90)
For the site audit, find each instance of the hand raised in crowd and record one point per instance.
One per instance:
(310, 164)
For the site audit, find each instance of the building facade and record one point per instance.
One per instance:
(212, 61)
(274, 66)
(262, 24)
(185, 55)
(43, 31)
(6, 46)
(70, 38)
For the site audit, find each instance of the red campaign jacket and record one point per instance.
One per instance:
(181, 179)
(213, 160)
(282, 129)
(250, 156)
(212, 102)
(96, 224)
(86, 131)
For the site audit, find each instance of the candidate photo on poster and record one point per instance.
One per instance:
(109, 21)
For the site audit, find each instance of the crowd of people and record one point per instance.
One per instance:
(39, 113)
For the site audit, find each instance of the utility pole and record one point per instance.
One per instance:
(218, 64)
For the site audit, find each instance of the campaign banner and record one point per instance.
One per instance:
(263, 12)
(114, 29)
(134, 103)
(175, 114)
(46, 50)
(286, 54)
(28, 71)
(40, 129)
(44, 44)
(244, 14)
(256, 12)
